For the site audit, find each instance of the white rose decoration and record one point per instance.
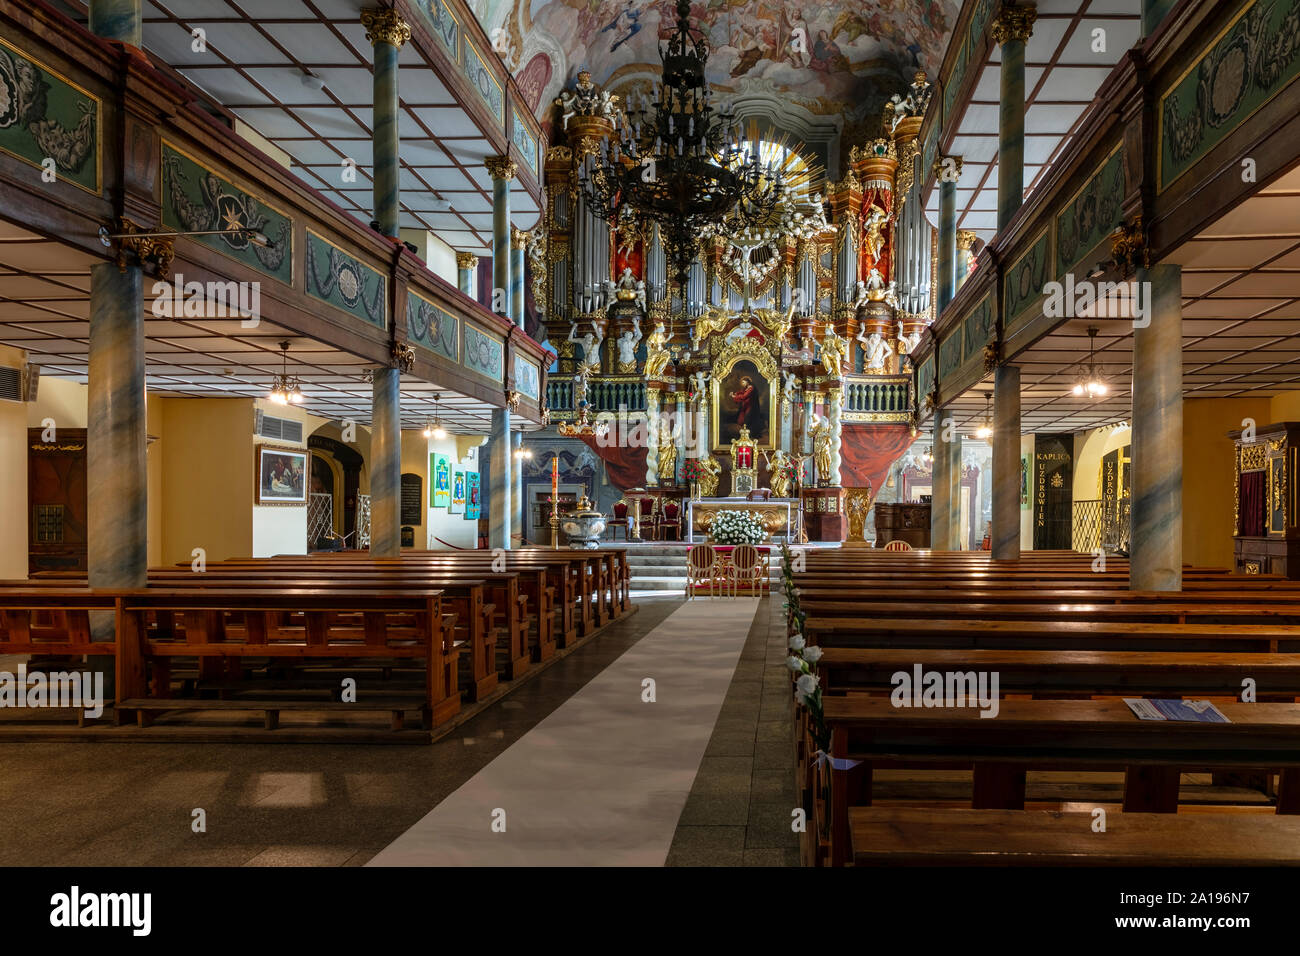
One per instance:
(812, 654)
(794, 663)
(807, 684)
(796, 642)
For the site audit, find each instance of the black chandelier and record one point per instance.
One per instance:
(678, 162)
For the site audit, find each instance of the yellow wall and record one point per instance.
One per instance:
(60, 399)
(13, 477)
(1207, 475)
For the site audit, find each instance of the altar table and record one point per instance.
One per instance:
(777, 514)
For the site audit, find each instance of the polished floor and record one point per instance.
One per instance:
(713, 767)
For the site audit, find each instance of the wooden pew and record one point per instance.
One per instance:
(232, 624)
(1052, 735)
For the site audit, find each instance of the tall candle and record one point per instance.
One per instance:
(555, 478)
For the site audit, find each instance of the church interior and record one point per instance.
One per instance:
(706, 434)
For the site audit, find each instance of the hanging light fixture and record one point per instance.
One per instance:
(1090, 383)
(285, 390)
(679, 162)
(434, 428)
(985, 430)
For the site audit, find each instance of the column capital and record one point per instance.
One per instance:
(947, 169)
(384, 25)
(1013, 22)
(518, 238)
(501, 167)
(466, 260)
(965, 239)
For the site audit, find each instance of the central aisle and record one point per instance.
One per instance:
(603, 779)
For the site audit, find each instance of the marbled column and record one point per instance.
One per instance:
(948, 174)
(945, 502)
(1156, 532)
(386, 465)
(503, 170)
(518, 512)
(1006, 462)
(499, 510)
(965, 242)
(835, 399)
(117, 20)
(1010, 29)
(518, 243)
(387, 31)
(466, 264)
(116, 495)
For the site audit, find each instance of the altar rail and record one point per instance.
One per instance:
(877, 398)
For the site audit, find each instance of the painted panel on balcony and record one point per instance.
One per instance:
(338, 279)
(527, 143)
(196, 199)
(484, 82)
(528, 378)
(979, 22)
(979, 328)
(1024, 281)
(484, 352)
(1091, 215)
(49, 121)
(444, 25)
(431, 327)
(924, 380)
(950, 354)
(955, 79)
(1245, 67)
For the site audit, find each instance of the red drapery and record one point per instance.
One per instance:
(1252, 510)
(625, 466)
(868, 451)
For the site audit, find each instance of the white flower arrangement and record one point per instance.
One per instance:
(738, 527)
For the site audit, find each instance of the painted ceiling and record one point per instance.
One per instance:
(831, 60)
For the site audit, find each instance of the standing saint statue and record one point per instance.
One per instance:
(656, 355)
(823, 440)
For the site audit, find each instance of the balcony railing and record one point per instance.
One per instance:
(605, 395)
(877, 398)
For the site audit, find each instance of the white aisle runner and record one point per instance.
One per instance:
(603, 779)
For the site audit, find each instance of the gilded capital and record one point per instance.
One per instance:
(385, 26)
(518, 238)
(947, 169)
(466, 260)
(501, 167)
(965, 239)
(1013, 23)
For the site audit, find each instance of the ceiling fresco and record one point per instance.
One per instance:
(831, 60)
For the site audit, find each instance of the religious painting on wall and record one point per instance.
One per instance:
(458, 492)
(744, 397)
(472, 500)
(440, 482)
(281, 476)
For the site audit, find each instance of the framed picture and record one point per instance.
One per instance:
(439, 481)
(472, 501)
(281, 477)
(744, 394)
(459, 491)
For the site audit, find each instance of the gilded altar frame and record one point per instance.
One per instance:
(750, 349)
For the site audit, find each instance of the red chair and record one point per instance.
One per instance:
(670, 521)
(620, 521)
(649, 518)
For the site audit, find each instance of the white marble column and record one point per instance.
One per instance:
(1156, 533)
(1006, 462)
(945, 501)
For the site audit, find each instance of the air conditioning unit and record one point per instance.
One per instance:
(19, 384)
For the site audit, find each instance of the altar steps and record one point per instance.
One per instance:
(657, 567)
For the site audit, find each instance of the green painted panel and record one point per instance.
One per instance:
(527, 143)
(444, 24)
(979, 328)
(44, 116)
(484, 81)
(1024, 281)
(953, 85)
(979, 22)
(431, 327)
(338, 279)
(1244, 68)
(950, 354)
(1092, 215)
(197, 199)
(924, 380)
(528, 378)
(484, 353)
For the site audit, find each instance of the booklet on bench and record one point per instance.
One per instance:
(1196, 711)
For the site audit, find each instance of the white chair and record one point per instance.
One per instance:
(898, 545)
(702, 568)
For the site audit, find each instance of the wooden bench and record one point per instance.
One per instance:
(919, 836)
